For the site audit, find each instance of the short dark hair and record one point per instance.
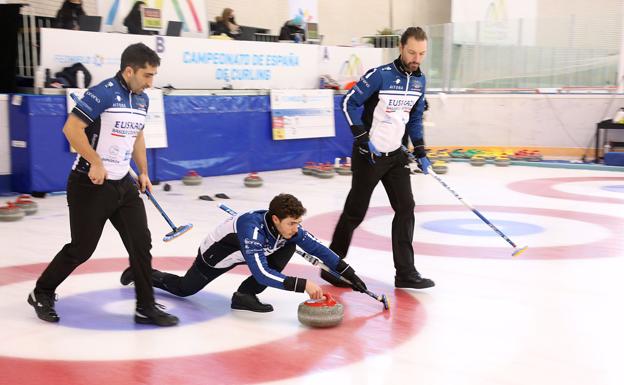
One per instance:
(286, 205)
(138, 56)
(416, 32)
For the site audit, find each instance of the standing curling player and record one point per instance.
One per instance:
(106, 129)
(393, 97)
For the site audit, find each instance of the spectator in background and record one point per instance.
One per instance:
(134, 22)
(293, 30)
(226, 25)
(67, 17)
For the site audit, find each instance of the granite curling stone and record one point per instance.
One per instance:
(253, 180)
(26, 203)
(320, 313)
(11, 212)
(192, 178)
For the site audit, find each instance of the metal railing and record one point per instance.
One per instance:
(382, 41)
(569, 51)
(28, 41)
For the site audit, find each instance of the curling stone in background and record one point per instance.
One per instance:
(253, 180)
(439, 167)
(192, 178)
(26, 203)
(535, 156)
(502, 161)
(477, 160)
(320, 313)
(343, 169)
(469, 153)
(308, 168)
(11, 212)
(324, 171)
(167, 187)
(489, 155)
(443, 155)
(458, 153)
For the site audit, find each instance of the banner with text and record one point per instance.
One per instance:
(300, 114)
(188, 63)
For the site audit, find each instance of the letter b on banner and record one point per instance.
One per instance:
(160, 44)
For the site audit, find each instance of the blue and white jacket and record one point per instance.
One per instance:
(114, 116)
(394, 103)
(250, 238)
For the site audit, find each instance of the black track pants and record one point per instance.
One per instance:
(90, 206)
(201, 274)
(394, 174)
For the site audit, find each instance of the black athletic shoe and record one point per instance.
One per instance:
(153, 315)
(44, 306)
(157, 278)
(413, 281)
(333, 280)
(126, 277)
(249, 302)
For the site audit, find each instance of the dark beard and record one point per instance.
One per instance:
(406, 67)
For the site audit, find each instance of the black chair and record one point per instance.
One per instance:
(90, 23)
(266, 37)
(174, 28)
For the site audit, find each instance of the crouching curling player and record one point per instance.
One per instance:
(265, 240)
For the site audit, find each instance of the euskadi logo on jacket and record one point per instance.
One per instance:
(399, 104)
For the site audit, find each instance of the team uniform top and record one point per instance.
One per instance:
(250, 238)
(115, 116)
(393, 101)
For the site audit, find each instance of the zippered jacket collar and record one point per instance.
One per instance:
(398, 64)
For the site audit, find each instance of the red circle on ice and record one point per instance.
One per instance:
(366, 330)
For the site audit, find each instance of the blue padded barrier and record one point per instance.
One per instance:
(217, 135)
(44, 163)
(214, 135)
(614, 158)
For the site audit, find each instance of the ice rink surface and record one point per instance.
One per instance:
(550, 316)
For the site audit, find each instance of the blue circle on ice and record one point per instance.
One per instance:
(475, 227)
(113, 309)
(614, 188)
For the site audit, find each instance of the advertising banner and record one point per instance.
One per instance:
(188, 63)
(300, 114)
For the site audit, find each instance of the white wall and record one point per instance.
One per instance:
(582, 8)
(557, 121)
(339, 20)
